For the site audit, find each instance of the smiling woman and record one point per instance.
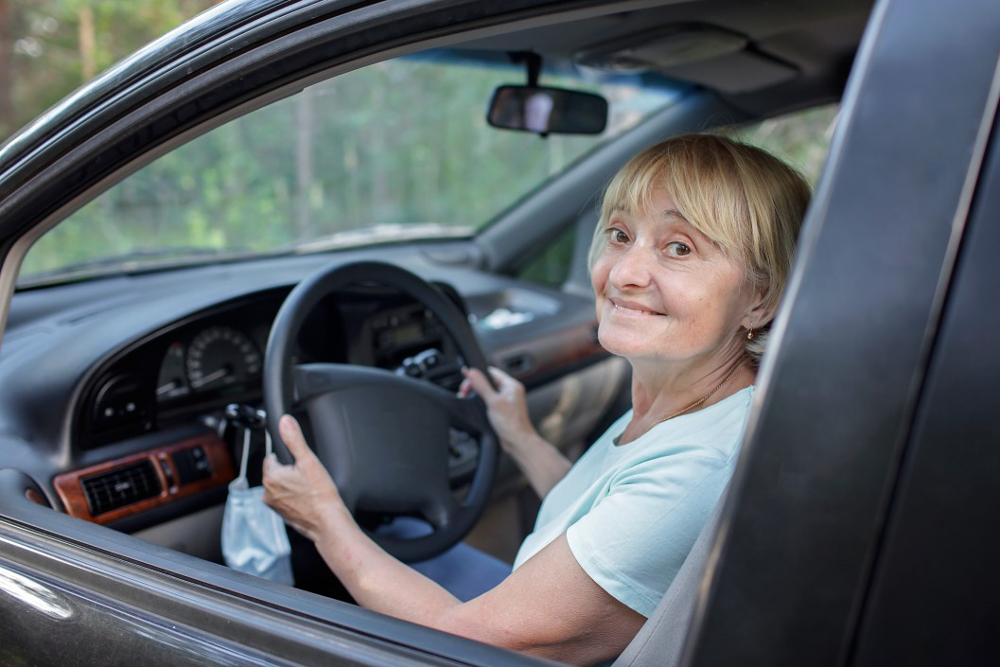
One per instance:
(696, 187)
(665, 290)
(689, 261)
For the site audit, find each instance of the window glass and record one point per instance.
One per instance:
(392, 152)
(551, 266)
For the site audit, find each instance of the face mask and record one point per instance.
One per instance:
(253, 535)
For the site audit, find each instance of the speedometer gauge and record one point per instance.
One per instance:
(221, 356)
(172, 381)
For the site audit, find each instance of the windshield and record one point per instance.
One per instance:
(395, 151)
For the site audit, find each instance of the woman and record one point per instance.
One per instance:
(688, 263)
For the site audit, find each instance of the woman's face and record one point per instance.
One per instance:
(666, 294)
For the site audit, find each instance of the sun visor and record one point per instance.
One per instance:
(735, 72)
(720, 59)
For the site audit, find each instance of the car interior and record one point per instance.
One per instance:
(120, 364)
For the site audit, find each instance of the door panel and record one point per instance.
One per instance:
(85, 594)
(935, 596)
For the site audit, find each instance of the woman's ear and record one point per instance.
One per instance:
(759, 314)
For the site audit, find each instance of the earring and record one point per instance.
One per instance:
(750, 332)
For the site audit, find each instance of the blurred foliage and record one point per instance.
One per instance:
(48, 48)
(382, 153)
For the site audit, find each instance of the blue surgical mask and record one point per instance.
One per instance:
(253, 535)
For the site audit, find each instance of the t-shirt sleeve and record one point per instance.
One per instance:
(633, 542)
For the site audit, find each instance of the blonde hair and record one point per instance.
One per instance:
(745, 200)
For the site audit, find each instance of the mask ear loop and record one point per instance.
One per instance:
(267, 434)
(246, 453)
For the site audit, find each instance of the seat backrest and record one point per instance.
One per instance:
(660, 641)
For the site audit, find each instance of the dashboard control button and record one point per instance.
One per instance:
(192, 465)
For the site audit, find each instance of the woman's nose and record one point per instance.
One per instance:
(633, 268)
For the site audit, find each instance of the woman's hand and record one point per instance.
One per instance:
(506, 405)
(507, 409)
(303, 492)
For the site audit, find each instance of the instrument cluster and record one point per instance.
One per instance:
(218, 357)
(195, 366)
(201, 364)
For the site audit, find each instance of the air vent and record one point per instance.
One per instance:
(120, 487)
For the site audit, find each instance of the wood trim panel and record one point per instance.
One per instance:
(551, 354)
(70, 490)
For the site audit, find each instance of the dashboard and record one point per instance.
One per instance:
(116, 390)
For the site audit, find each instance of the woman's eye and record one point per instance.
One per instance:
(678, 249)
(617, 236)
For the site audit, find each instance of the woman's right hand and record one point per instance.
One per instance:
(506, 405)
(302, 493)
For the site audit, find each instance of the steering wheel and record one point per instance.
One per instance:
(384, 437)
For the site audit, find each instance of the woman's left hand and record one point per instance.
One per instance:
(303, 492)
(507, 407)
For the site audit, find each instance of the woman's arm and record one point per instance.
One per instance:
(507, 407)
(548, 607)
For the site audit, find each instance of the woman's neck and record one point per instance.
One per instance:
(659, 394)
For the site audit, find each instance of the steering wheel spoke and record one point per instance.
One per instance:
(311, 380)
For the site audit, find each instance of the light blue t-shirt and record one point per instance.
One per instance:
(632, 512)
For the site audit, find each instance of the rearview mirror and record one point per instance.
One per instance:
(547, 110)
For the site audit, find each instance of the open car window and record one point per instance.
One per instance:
(393, 152)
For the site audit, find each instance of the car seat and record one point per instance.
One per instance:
(661, 640)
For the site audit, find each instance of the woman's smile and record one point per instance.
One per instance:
(633, 309)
